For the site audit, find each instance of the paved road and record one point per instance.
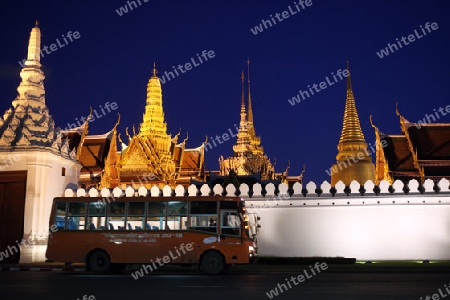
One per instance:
(67, 286)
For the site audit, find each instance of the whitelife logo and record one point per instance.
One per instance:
(124, 9)
(318, 87)
(166, 259)
(428, 117)
(53, 47)
(281, 17)
(411, 38)
(187, 66)
(274, 292)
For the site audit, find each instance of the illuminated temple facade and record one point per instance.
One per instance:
(420, 152)
(353, 161)
(151, 157)
(249, 158)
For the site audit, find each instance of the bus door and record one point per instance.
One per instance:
(230, 227)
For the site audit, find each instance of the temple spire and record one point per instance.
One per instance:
(349, 79)
(153, 120)
(351, 129)
(34, 46)
(28, 122)
(32, 85)
(243, 112)
(250, 110)
(154, 70)
(353, 161)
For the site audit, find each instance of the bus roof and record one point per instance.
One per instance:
(148, 198)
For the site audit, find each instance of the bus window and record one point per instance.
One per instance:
(203, 216)
(60, 220)
(228, 205)
(156, 216)
(176, 215)
(231, 224)
(96, 216)
(116, 216)
(76, 216)
(136, 215)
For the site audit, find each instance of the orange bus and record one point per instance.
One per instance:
(212, 232)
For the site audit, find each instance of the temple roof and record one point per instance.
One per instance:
(94, 151)
(397, 153)
(422, 151)
(432, 141)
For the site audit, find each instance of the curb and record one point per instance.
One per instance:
(34, 269)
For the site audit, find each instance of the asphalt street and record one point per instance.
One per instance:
(332, 285)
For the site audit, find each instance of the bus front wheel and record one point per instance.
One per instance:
(99, 262)
(212, 263)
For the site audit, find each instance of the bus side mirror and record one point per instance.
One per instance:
(258, 218)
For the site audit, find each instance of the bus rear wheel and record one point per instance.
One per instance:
(99, 262)
(212, 263)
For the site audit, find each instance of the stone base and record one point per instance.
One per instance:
(32, 254)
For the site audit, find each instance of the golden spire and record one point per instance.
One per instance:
(353, 161)
(153, 120)
(351, 129)
(243, 140)
(243, 94)
(154, 70)
(250, 110)
(243, 112)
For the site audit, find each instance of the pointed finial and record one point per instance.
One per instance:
(248, 69)
(250, 110)
(349, 80)
(118, 122)
(154, 69)
(243, 93)
(36, 24)
(90, 113)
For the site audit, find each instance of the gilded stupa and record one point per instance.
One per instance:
(152, 156)
(249, 157)
(353, 161)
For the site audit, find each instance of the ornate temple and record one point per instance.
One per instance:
(421, 152)
(156, 153)
(151, 157)
(249, 158)
(353, 161)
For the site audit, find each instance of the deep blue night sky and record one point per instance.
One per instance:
(113, 60)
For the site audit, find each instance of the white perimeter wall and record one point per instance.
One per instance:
(416, 230)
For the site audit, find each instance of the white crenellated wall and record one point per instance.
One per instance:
(387, 225)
